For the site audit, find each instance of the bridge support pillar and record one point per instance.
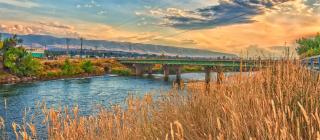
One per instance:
(150, 70)
(220, 75)
(178, 72)
(139, 69)
(166, 72)
(208, 75)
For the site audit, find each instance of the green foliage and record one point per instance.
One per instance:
(70, 69)
(20, 62)
(121, 72)
(192, 69)
(10, 42)
(309, 46)
(53, 74)
(1, 44)
(87, 67)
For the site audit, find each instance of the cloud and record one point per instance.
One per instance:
(20, 3)
(227, 12)
(27, 28)
(102, 12)
(91, 4)
(17, 29)
(56, 25)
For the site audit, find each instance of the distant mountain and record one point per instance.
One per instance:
(54, 42)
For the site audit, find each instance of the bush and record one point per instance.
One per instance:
(121, 72)
(70, 69)
(53, 74)
(87, 66)
(21, 63)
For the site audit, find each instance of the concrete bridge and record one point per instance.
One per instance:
(141, 66)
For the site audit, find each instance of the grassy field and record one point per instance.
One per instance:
(280, 102)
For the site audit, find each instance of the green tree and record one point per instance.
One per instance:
(20, 62)
(309, 46)
(9, 43)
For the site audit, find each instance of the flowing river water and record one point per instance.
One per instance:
(87, 93)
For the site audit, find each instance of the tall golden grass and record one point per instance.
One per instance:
(279, 102)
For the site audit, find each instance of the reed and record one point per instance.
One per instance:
(279, 102)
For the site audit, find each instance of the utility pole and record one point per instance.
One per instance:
(287, 51)
(96, 51)
(67, 42)
(81, 49)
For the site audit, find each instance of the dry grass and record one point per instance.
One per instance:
(281, 102)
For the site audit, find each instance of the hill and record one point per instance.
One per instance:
(55, 42)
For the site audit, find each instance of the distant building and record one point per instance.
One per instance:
(36, 52)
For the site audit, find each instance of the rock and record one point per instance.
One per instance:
(24, 79)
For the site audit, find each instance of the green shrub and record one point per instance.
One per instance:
(121, 72)
(53, 74)
(70, 69)
(87, 66)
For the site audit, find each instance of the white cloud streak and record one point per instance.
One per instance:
(20, 3)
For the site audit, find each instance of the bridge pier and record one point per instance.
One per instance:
(150, 70)
(220, 74)
(166, 72)
(178, 72)
(208, 74)
(139, 69)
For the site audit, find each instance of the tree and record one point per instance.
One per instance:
(8, 43)
(20, 62)
(309, 46)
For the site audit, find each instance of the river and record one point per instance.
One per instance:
(87, 93)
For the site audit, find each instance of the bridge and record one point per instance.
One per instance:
(141, 66)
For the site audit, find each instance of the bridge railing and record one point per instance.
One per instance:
(313, 62)
(206, 59)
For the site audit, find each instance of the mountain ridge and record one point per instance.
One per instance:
(56, 42)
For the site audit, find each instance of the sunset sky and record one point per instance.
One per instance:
(218, 25)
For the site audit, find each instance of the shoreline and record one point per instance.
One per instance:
(20, 80)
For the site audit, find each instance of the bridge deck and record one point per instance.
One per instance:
(225, 63)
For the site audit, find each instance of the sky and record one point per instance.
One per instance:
(258, 27)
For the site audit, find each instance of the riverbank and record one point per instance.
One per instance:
(279, 102)
(68, 68)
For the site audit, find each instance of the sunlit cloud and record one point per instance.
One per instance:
(226, 12)
(219, 25)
